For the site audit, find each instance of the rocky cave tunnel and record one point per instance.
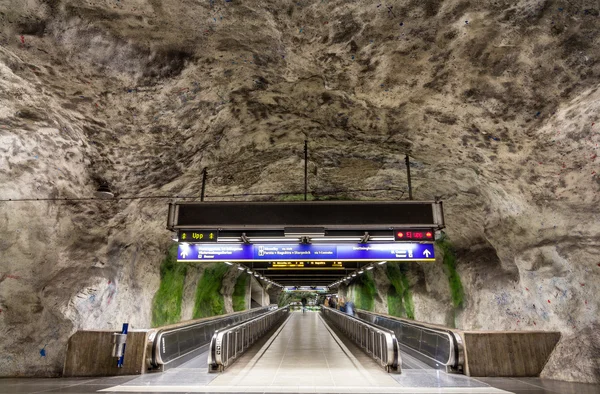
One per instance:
(495, 101)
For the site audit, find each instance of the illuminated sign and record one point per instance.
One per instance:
(305, 288)
(414, 235)
(198, 236)
(306, 265)
(399, 251)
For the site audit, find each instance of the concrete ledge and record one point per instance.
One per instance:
(499, 353)
(89, 354)
(508, 353)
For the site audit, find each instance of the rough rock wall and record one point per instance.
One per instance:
(227, 288)
(496, 101)
(192, 277)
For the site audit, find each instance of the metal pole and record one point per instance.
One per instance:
(407, 161)
(203, 184)
(305, 170)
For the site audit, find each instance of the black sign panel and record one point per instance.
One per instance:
(330, 215)
(198, 236)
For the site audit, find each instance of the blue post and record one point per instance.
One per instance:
(120, 360)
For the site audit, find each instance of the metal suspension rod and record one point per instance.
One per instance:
(305, 170)
(203, 184)
(407, 161)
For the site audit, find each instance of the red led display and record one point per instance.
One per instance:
(414, 235)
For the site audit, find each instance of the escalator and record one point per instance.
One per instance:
(174, 345)
(435, 347)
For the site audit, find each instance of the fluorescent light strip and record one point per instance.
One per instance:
(381, 238)
(282, 240)
(296, 239)
(321, 239)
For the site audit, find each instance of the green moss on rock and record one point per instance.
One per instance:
(209, 300)
(166, 306)
(400, 300)
(365, 291)
(449, 260)
(394, 302)
(239, 293)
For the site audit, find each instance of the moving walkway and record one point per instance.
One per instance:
(436, 347)
(382, 338)
(172, 346)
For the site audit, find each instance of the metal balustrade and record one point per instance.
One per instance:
(439, 348)
(230, 343)
(170, 344)
(380, 343)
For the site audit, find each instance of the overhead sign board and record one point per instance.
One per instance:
(305, 252)
(199, 236)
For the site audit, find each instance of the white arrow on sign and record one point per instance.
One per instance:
(426, 253)
(184, 254)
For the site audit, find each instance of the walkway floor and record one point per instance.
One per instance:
(305, 355)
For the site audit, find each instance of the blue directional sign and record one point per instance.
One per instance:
(305, 252)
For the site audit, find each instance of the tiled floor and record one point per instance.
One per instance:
(541, 386)
(305, 355)
(308, 355)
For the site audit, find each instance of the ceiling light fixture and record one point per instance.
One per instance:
(382, 262)
(335, 239)
(382, 238)
(282, 240)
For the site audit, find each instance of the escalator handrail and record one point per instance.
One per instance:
(392, 361)
(217, 359)
(156, 355)
(456, 353)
